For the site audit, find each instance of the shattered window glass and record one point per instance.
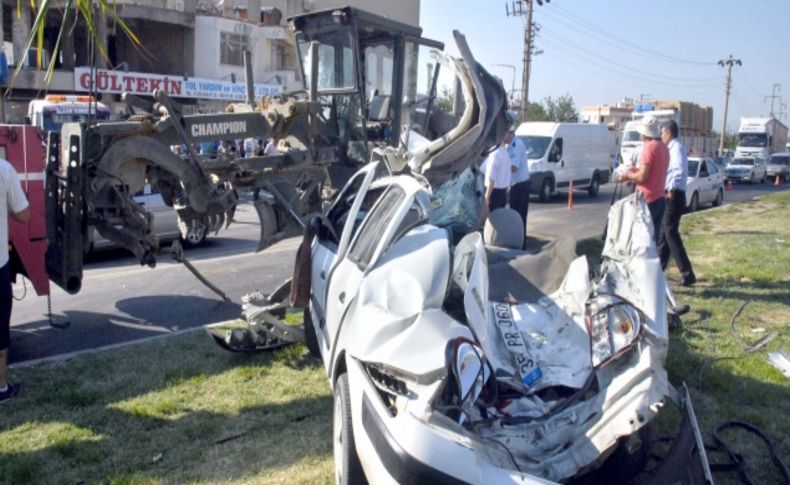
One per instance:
(335, 59)
(373, 228)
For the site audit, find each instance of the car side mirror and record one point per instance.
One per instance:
(703, 173)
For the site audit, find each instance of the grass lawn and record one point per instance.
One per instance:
(171, 411)
(182, 410)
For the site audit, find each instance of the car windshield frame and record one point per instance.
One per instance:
(779, 160)
(536, 145)
(743, 161)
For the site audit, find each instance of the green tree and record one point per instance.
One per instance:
(89, 11)
(535, 112)
(563, 109)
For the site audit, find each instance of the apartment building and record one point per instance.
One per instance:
(190, 48)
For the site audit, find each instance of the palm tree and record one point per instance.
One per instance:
(73, 10)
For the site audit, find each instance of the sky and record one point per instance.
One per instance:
(601, 51)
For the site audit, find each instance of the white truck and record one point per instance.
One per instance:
(632, 140)
(760, 137)
(50, 113)
(559, 153)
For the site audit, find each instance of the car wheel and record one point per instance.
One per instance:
(309, 334)
(595, 186)
(719, 198)
(694, 204)
(348, 469)
(194, 238)
(545, 191)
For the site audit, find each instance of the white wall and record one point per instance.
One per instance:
(406, 11)
(262, 39)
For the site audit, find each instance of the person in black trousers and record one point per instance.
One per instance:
(669, 241)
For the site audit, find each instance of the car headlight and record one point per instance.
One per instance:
(614, 325)
(469, 372)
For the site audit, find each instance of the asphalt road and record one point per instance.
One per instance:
(121, 301)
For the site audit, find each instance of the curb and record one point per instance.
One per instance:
(77, 353)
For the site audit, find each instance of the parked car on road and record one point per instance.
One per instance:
(779, 165)
(746, 169)
(165, 222)
(705, 183)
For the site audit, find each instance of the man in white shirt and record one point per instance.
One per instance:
(12, 202)
(519, 181)
(497, 176)
(677, 173)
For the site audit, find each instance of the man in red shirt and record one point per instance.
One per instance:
(651, 174)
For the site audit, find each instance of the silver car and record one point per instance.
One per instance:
(165, 222)
(746, 169)
(779, 166)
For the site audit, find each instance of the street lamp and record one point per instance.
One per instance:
(513, 84)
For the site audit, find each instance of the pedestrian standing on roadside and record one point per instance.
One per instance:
(650, 175)
(519, 181)
(498, 172)
(677, 175)
(14, 203)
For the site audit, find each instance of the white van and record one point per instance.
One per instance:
(561, 152)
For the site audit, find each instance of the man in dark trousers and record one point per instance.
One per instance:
(519, 180)
(14, 203)
(677, 173)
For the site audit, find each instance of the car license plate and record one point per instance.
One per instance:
(528, 369)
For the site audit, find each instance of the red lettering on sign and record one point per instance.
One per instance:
(85, 81)
(115, 85)
(128, 83)
(142, 85)
(155, 84)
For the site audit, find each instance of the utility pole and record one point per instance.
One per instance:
(729, 62)
(518, 10)
(777, 88)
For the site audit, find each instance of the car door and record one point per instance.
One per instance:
(384, 203)
(165, 217)
(716, 179)
(704, 181)
(332, 242)
(556, 158)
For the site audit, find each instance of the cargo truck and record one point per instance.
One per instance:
(760, 137)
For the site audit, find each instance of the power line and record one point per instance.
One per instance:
(640, 49)
(623, 66)
(574, 57)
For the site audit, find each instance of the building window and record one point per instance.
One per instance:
(280, 57)
(232, 47)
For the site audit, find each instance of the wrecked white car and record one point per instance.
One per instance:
(440, 373)
(455, 358)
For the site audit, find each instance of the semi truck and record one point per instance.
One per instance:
(760, 137)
